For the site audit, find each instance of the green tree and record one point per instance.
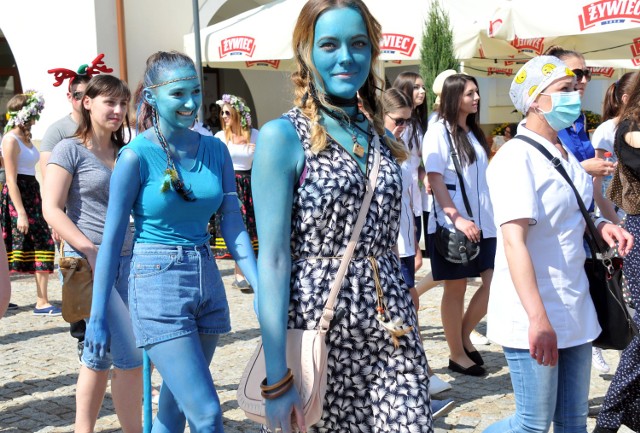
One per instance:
(436, 53)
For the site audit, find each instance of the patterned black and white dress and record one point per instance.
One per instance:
(372, 386)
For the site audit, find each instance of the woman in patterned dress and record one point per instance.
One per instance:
(309, 179)
(26, 235)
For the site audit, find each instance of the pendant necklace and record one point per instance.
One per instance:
(350, 128)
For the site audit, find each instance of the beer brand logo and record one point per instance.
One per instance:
(494, 26)
(500, 71)
(532, 45)
(609, 12)
(237, 45)
(397, 43)
(635, 47)
(636, 62)
(268, 63)
(601, 71)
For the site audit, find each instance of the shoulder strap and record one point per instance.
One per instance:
(557, 163)
(456, 164)
(328, 311)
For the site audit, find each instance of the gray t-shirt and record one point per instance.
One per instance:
(58, 131)
(89, 190)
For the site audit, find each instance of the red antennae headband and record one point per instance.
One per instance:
(94, 68)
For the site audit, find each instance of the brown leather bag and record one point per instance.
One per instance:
(77, 287)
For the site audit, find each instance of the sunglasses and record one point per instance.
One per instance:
(226, 113)
(77, 95)
(582, 73)
(399, 122)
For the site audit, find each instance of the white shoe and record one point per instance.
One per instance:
(437, 385)
(477, 339)
(597, 361)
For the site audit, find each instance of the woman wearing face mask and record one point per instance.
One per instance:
(540, 309)
(620, 404)
(458, 127)
(309, 178)
(172, 179)
(240, 138)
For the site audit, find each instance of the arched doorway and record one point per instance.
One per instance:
(9, 77)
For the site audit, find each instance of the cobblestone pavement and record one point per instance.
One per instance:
(39, 366)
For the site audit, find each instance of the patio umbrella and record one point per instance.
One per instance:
(606, 32)
(261, 38)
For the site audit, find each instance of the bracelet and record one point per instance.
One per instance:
(287, 377)
(277, 393)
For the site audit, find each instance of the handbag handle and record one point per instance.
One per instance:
(594, 239)
(328, 311)
(456, 164)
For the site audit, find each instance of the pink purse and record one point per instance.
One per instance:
(306, 349)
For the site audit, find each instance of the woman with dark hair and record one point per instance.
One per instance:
(309, 178)
(27, 237)
(172, 179)
(621, 402)
(458, 128)
(75, 202)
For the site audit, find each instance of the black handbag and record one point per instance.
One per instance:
(454, 246)
(605, 276)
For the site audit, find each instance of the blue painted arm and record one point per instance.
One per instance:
(232, 227)
(123, 190)
(278, 163)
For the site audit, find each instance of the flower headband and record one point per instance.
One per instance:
(94, 68)
(30, 111)
(239, 106)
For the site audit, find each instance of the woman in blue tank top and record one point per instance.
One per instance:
(172, 179)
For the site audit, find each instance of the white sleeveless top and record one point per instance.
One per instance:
(27, 158)
(241, 155)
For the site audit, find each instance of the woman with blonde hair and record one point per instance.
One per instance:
(240, 138)
(309, 178)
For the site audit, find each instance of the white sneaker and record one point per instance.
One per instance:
(597, 361)
(477, 339)
(437, 385)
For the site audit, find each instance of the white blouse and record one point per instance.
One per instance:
(524, 184)
(241, 154)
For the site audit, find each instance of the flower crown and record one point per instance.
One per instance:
(31, 111)
(239, 106)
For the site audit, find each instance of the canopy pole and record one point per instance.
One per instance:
(196, 35)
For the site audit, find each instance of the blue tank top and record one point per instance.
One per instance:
(165, 217)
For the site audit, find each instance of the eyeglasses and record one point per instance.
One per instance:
(582, 73)
(399, 122)
(77, 95)
(226, 113)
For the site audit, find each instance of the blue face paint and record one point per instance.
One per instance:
(341, 51)
(177, 102)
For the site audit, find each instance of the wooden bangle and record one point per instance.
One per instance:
(287, 377)
(278, 392)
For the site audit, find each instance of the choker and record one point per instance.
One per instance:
(337, 101)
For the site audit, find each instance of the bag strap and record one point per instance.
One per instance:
(456, 164)
(61, 248)
(328, 311)
(594, 239)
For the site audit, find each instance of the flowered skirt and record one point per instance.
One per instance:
(35, 250)
(243, 187)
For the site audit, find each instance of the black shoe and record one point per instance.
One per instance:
(12, 306)
(474, 370)
(475, 357)
(603, 430)
(243, 285)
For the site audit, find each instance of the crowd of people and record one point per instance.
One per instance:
(179, 194)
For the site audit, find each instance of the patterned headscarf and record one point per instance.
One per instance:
(535, 76)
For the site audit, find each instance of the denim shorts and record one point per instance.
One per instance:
(123, 353)
(174, 291)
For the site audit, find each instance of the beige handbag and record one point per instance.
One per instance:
(77, 287)
(306, 349)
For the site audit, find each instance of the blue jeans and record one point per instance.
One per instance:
(543, 395)
(123, 353)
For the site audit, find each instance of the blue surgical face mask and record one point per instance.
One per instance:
(565, 109)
